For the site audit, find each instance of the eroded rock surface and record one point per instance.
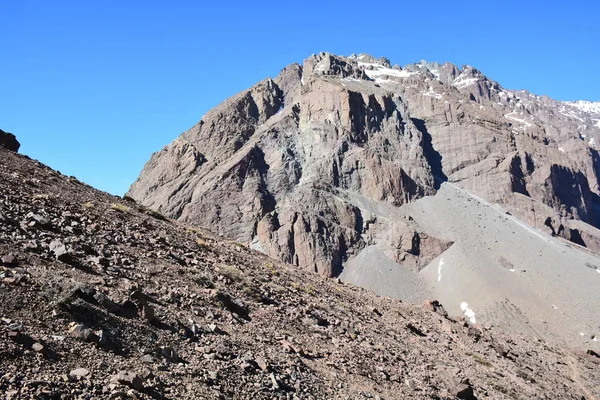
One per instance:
(288, 164)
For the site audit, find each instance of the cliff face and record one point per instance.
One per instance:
(301, 165)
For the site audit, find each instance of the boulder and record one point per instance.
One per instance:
(9, 141)
(128, 378)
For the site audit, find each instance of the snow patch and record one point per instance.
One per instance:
(442, 262)
(379, 70)
(470, 314)
(509, 116)
(462, 82)
(561, 149)
(431, 93)
(585, 106)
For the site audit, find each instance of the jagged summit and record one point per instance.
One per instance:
(446, 72)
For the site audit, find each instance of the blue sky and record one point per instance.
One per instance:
(93, 88)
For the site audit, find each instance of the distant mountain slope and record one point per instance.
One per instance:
(509, 274)
(101, 297)
(278, 165)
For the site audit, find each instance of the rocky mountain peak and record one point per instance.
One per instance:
(369, 59)
(325, 165)
(339, 126)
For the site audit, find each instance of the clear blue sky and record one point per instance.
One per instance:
(92, 88)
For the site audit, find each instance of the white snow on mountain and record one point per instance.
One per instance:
(462, 81)
(585, 106)
(376, 71)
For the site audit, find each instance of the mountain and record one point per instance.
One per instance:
(285, 165)
(101, 297)
(342, 166)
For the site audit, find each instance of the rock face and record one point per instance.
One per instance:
(299, 166)
(9, 141)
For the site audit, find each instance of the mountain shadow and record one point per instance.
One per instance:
(433, 157)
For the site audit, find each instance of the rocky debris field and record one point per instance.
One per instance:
(103, 298)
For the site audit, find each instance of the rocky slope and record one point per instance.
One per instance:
(499, 270)
(101, 297)
(287, 165)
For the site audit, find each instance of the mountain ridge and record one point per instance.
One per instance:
(355, 72)
(334, 165)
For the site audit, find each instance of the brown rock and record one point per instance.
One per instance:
(128, 378)
(357, 136)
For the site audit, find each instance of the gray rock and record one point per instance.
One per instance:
(60, 251)
(79, 331)
(262, 364)
(79, 373)
(148, 359)
(10, 260)
(128, 378)
(38, 347)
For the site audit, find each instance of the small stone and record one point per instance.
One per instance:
(262, 364)
(148, 359)
(79, 373)
(213, 375)
(410, 383)
(274, 382)
(204, 349)
(170, 354)
(38, 347)
(593, 353)
(79, 331)
(147, 374)
(10, 260)
(60, 251)
(15, 327)
(128, 378)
